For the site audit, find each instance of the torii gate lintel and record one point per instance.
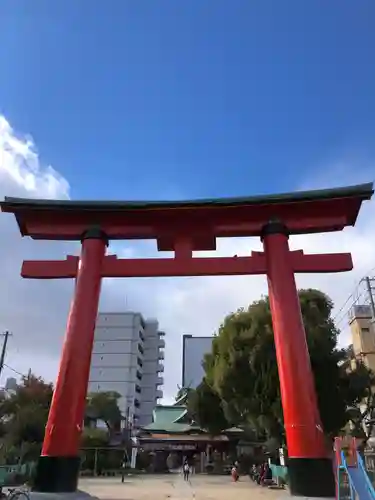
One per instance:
(255, 264)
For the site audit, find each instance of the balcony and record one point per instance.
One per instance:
(160, 367)
(159, 381)
(161, 355)
(159, 394)
(161, 343)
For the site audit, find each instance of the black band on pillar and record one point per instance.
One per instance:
(57, 474)
(94, 233)
(274, 227)
(311, 477)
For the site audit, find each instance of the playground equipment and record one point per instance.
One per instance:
(352, 480)
(185, 227)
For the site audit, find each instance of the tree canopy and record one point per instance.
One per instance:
(23, 417)
(242, 368)
(204, 406)
(104, 406)
(24, 413)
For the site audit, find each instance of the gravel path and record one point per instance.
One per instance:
(173, 487)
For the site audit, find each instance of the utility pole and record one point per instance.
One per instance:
(370, 288)
(6, 336)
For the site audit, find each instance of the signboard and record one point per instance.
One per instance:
(168, 446)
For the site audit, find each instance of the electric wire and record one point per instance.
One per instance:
(355, 296)
(14, 370)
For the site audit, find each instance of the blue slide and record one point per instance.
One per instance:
(359, 482)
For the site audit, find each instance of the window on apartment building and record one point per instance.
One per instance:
(137, 404)
(365, 330)
(139, 375)
(140, 362)
(140, 349)
(138, 388)
(141, 336)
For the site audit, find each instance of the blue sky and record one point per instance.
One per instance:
(174, 99)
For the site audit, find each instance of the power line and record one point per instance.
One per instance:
(341, 314)
(370, 288)
(344, 315)
(15, 371)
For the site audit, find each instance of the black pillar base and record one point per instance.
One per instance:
(311, 477)
(57, 474)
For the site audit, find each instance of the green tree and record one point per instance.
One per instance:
(242, 366)
(23, 417)
(358, 388)
(94, 438)
(104, 406)
(24, 413)
(204, 406)
(183, 394)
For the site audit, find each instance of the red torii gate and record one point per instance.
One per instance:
(184, 227)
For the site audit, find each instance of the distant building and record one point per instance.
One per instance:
(361, 350)
(363, 335)
(193, 351)
(11, 384)
(127, 358)
(173, 433)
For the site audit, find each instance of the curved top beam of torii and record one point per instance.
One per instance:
(201, 221)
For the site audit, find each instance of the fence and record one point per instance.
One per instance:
(279, 473)
(11, 475)
(370, 464)
(102, 461)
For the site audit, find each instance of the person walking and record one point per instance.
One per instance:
(123, 467)
(186, 470)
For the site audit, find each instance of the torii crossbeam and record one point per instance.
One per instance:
(112, 267)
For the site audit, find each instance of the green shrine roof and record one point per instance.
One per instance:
(171, 419)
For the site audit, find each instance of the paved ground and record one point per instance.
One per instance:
(173, 487)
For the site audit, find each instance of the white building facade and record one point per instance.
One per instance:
(127, 358)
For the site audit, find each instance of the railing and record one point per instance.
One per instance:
(279, 472)
(11, 475)
(369, 483)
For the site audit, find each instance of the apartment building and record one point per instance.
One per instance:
(363, 335)
(127, 358)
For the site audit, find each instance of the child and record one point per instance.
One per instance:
(235, 475)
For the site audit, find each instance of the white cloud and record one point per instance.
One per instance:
(36, 311)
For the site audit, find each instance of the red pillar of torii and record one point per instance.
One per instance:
(185, 227)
